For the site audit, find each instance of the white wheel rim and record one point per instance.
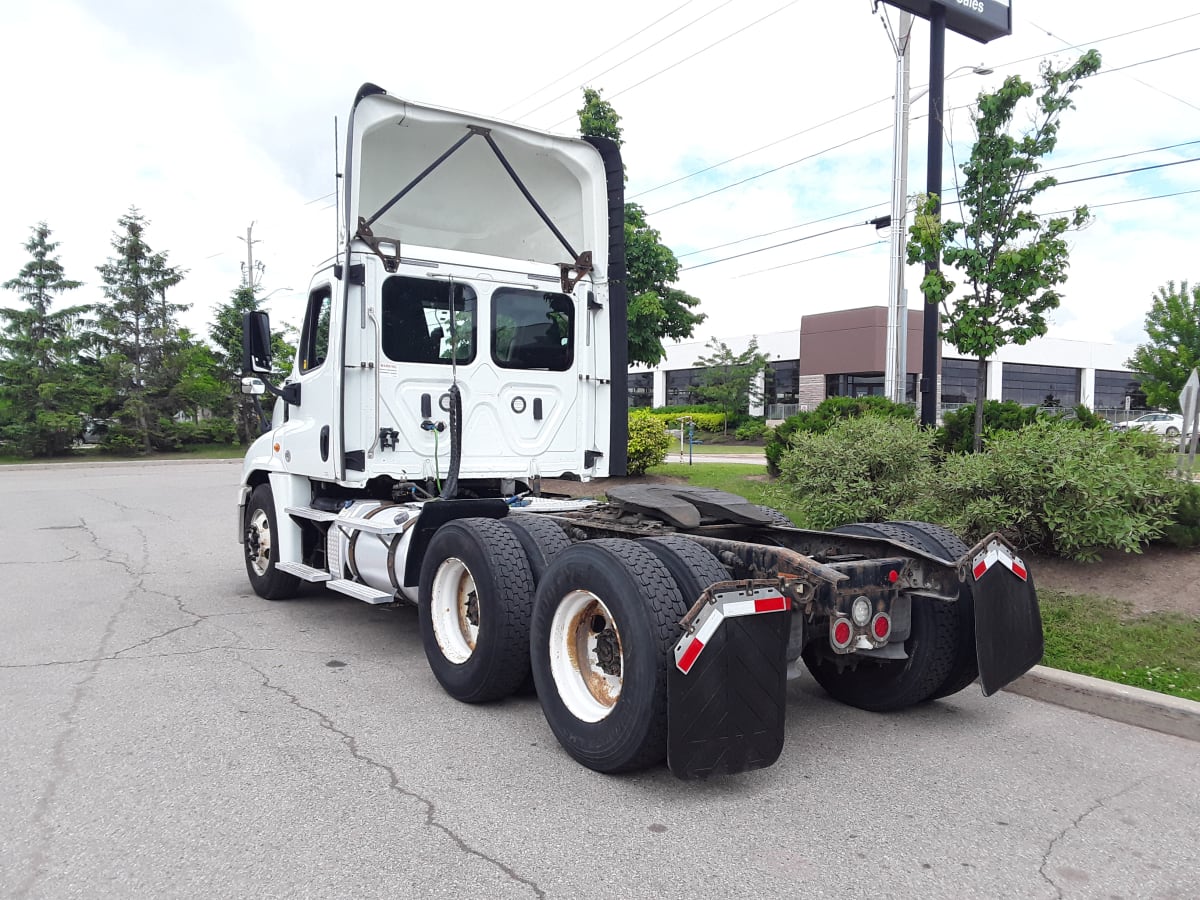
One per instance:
(454, 610)
(260, 531)
(586, 659)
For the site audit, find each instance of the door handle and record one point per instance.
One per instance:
(325, 444)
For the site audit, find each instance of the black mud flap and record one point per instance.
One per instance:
(1008, 623)
(726, 714)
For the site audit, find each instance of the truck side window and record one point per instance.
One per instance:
(417, 321)
(314, 340)
(533, 330)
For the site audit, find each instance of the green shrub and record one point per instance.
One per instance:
(1184, 531)
(860, 469)
(648, 442)
(819, 420)
(712, 422)
(751, 430)
(958, 428)
(1058, 489)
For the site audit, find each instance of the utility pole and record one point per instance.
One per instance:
(896, 363)
(933, 186)
(250, 242)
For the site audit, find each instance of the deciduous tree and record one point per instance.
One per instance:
(657, 310)
(730, 379)
(1011, 259)
(1167, 359)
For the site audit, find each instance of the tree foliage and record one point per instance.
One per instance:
(1011, 260)
(137, 330)
(44, 391)
(657, 310)
(1167, 359)
(731, 380)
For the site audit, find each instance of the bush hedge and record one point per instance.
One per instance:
(648, 441)
(819, 420)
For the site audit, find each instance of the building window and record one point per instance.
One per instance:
(1112, 387)
(865, 384)
(782, 382)
(959, 380)
(1056, 386)
(641, 389)
(683, 387)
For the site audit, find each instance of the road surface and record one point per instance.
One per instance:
(168, 734)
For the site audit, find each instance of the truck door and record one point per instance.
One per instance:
(307, 439)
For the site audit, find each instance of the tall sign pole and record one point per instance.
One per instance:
(896, 377)
(933, 186)
(983, 21)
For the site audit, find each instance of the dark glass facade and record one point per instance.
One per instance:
(641, 389)
(682, 387)
(1112, 387)
(959, 380)
(782, 382)
(864, 384)
(1041, 385)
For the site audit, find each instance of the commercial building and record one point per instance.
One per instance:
(841, 354)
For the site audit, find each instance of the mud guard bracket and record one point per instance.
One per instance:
(727, 689)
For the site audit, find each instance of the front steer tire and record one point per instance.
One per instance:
(474, 601)
(259, 531)
(605, 620)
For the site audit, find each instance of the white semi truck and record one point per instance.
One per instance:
(469, 339)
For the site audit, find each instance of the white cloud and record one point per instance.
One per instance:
(213, 115)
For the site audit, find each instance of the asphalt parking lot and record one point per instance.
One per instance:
(169, 734)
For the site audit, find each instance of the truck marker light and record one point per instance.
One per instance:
(860, 611)
(842, 633)
(893, 576)
(276, 448)
(881, 626)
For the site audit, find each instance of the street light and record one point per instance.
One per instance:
(895, 376)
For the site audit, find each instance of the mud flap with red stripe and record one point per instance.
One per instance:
(727, 689)
(1008, 623)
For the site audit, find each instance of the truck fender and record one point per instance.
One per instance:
(437, 513)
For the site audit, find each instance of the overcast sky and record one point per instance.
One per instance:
(211, 115)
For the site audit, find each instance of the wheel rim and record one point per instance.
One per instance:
(454, 610)
(586, 659)
(258, 542)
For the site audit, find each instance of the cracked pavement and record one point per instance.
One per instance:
(169, 734)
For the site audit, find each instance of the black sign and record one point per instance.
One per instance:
(982, 20)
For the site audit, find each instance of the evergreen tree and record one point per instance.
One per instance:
(137, 331)
(42, 392)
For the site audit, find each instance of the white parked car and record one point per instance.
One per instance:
(1166, 424)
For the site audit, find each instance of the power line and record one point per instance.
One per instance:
(625, 60)
(807, 237)
(1178, 162)
(598, 56)
(690, 56)
(781, 230)
(1092, 206)
(810, 259)
(756, 149)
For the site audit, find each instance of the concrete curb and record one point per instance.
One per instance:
(117, 463)
(1119, 702)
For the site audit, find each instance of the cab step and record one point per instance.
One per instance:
(300, 570)
(363, 592)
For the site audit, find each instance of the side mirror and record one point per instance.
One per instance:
(256, 344)
(255, 386)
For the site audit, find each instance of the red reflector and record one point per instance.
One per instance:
(1019, 570)
(770, 604)
(980, 568)
(881, 627)
(841, 633)
(689, 655)
(893, 576)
